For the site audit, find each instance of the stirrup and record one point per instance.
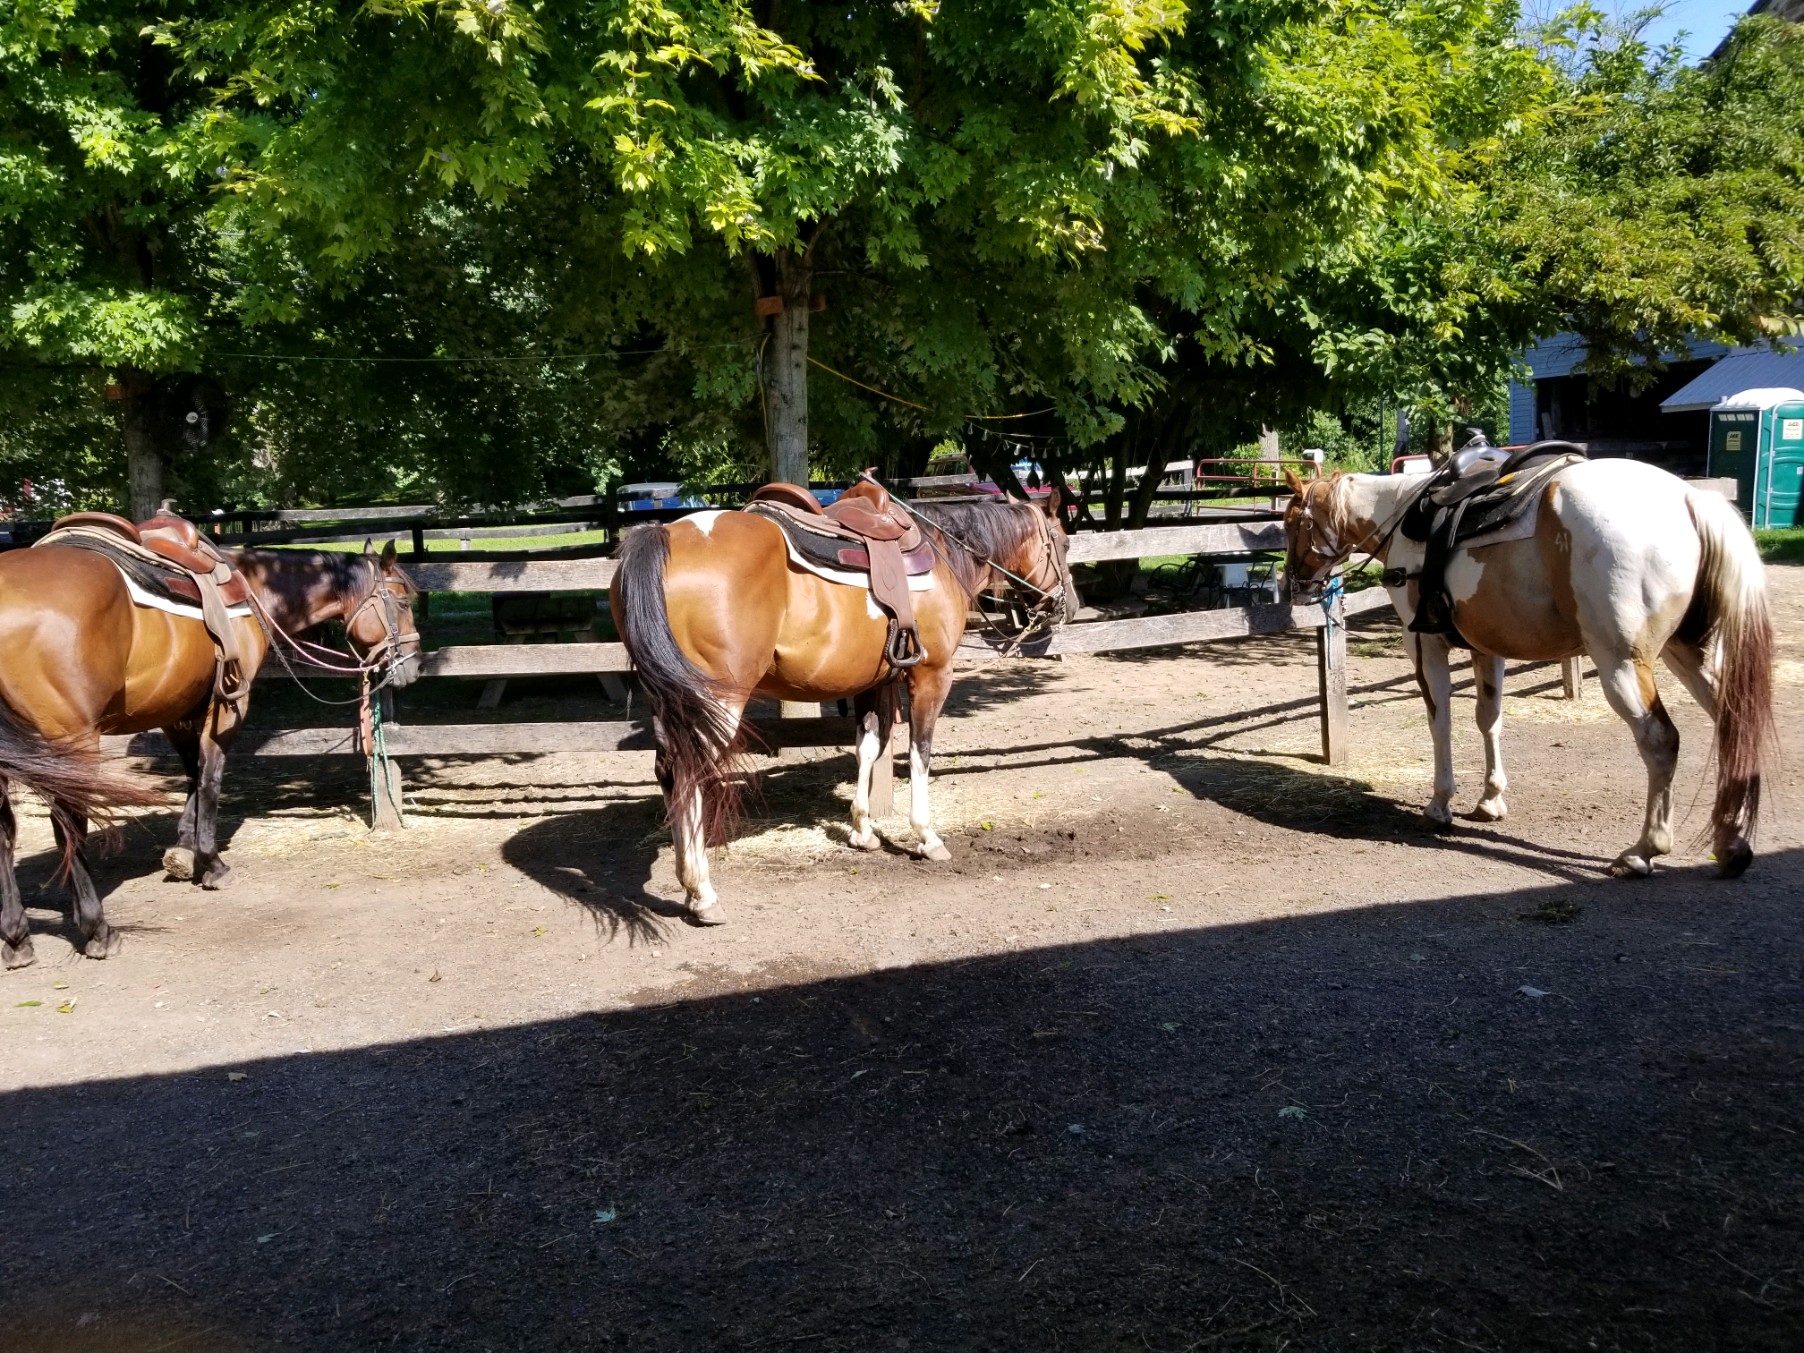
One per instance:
(903, 648)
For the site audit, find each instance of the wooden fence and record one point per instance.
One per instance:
(500, 661)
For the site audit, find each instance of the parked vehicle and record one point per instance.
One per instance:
(653, 496)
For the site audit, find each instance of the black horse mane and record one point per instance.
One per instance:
(993, 529)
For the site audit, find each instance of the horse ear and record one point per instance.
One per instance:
(1292, 482)
(1049, 501)
(388, 557)
(369, 546)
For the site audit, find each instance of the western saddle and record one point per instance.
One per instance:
(168, 556)
(1479, 492)
(865, 531)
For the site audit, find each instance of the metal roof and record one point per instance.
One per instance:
(1743, 369)
(1564, 353)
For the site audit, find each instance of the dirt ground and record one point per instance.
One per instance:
(1195, 1044)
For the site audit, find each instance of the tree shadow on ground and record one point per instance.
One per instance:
(1446, 1125)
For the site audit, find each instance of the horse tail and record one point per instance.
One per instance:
(72, 778)
(690, 710)
(1730, 618)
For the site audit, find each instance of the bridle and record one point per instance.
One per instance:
(382, 656)
(390, 644)
(1336, 555)
(1047, 611)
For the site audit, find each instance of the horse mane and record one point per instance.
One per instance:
(989, 530)
(1334, 502)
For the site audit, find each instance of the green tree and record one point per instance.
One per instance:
(107, 261)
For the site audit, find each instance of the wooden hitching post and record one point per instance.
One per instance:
(1572, 678)
(387, 808)
(1331, 685)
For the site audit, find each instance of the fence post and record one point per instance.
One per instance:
(1572, 678)
(1331, 685)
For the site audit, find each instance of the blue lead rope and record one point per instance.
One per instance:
(1331, 594)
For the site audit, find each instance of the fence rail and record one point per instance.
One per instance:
(496, 662)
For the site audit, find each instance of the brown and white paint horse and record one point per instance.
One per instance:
(79, 659)
(1629, 565)
(713, 612)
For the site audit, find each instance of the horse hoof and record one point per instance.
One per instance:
(1489, 810)
(704, 916)
(937, 852)
(869, 841)
(105, 945)
(217, 877)
(1733, 862)
(18, 955)
(178, 863)
(1626, 866)
(1439, 819)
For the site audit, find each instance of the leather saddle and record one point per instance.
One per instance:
(167, 556)
(1477, 493)
(865, 531)
(179, 544)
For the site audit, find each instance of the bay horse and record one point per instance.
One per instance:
(1628, 565)
(79, 659)
(712, 612)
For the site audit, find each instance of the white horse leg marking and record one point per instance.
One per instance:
(920, 808)
(1628, 685)
(1488, 672)
(688, 833)
(691, 849)
(1429, 653)
(870, 746)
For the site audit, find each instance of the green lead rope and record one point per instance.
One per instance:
(381, 782)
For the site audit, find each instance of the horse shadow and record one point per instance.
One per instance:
(601, 860)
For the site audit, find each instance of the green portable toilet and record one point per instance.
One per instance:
(1757, 439)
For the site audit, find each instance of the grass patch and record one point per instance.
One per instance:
(1781, 545)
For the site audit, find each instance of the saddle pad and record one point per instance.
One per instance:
(174, 605)
(1513, 517)
(917, 582)
(150, 584)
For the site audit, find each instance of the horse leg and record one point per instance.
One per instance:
(927, 694)
(1488, 673)
(15, 928)
(210, 871)
(1628, 682)
(873, 710)
(1429, 655)
(99, 940)
(178, 860)
(689, 830)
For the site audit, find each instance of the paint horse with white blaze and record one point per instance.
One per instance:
(713, 611)
(1626, 564)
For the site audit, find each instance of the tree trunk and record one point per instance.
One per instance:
(1269, 455)
(1117, 485)
(146, 456)
(787, 364)
(1153, 446)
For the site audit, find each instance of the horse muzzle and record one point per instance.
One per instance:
(405, 670)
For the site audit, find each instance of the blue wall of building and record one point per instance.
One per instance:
(1522, 414)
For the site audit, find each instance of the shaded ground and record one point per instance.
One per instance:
(1195, 1045)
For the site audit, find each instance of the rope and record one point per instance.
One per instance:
(897, 399)
(1331, 595)
(376, 747)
